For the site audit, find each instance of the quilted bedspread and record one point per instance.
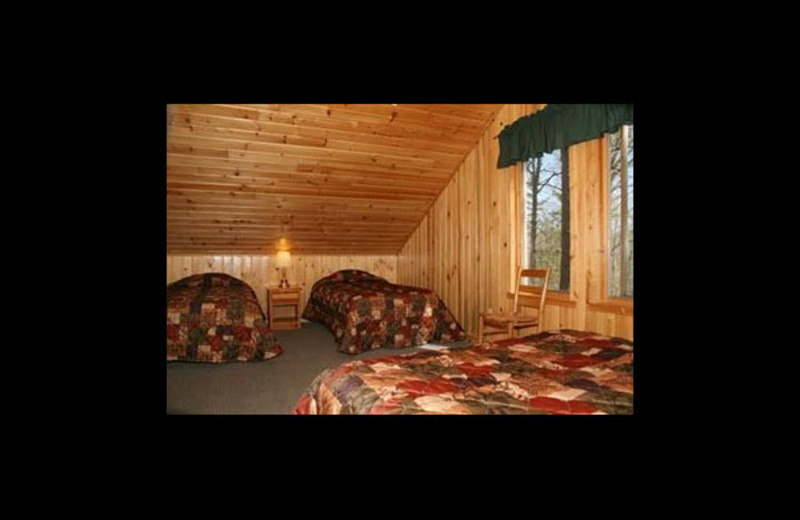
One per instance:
(216, 318)
(557, 372)
(364, 311)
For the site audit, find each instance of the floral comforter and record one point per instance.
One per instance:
(558, 372)
(216, 318)
(366, 312)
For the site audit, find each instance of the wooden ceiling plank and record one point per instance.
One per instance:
(306, 154)
(203, 226)
(203, 250)
(257, 235)
(479, 112)
(240, 212)
(290, 164)
(290, 142)
(248, 189)
(299, 225)
(286, 158)
(372, 114)
(288, 202)
(330, 178)
(401, 114)
(418, 131)
(335, 176)
(280, 132)
(259, 150)
(322, 128)
(333, 188)
(267, 200)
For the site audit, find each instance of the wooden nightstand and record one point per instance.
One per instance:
(289, 297)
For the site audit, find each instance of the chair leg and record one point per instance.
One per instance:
(510, 330)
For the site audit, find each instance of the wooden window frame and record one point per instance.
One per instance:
(591, 256)
(554, 296)
(606, 303)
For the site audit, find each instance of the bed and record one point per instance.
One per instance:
(364, 312)
(216, 318)
(553, 372)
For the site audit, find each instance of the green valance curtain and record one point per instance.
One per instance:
(559, 126)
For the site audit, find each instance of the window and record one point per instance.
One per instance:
(546, 239)
(620, 213)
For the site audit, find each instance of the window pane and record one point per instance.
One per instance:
(620, 213)
(546, 216)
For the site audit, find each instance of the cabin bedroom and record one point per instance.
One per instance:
(414, 259)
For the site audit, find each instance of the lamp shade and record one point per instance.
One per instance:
(283, 259)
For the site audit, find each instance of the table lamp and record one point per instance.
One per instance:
(283, 260)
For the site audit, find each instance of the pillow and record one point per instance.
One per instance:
(352, 275)
(209, 280)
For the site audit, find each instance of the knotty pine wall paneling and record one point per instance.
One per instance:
(259, 271)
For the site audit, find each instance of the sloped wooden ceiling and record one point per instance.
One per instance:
(324, 178)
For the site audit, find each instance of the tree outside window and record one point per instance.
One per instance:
(620, 213)
(546, 238)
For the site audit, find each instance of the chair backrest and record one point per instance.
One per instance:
(531, 295)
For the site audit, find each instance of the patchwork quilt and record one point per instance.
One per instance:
(216, 318)
(555, 372)
(364, 311)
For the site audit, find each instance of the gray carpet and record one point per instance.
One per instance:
(269, 387)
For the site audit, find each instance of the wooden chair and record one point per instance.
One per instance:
(524, 296)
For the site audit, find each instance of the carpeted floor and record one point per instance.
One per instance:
(269, 387)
